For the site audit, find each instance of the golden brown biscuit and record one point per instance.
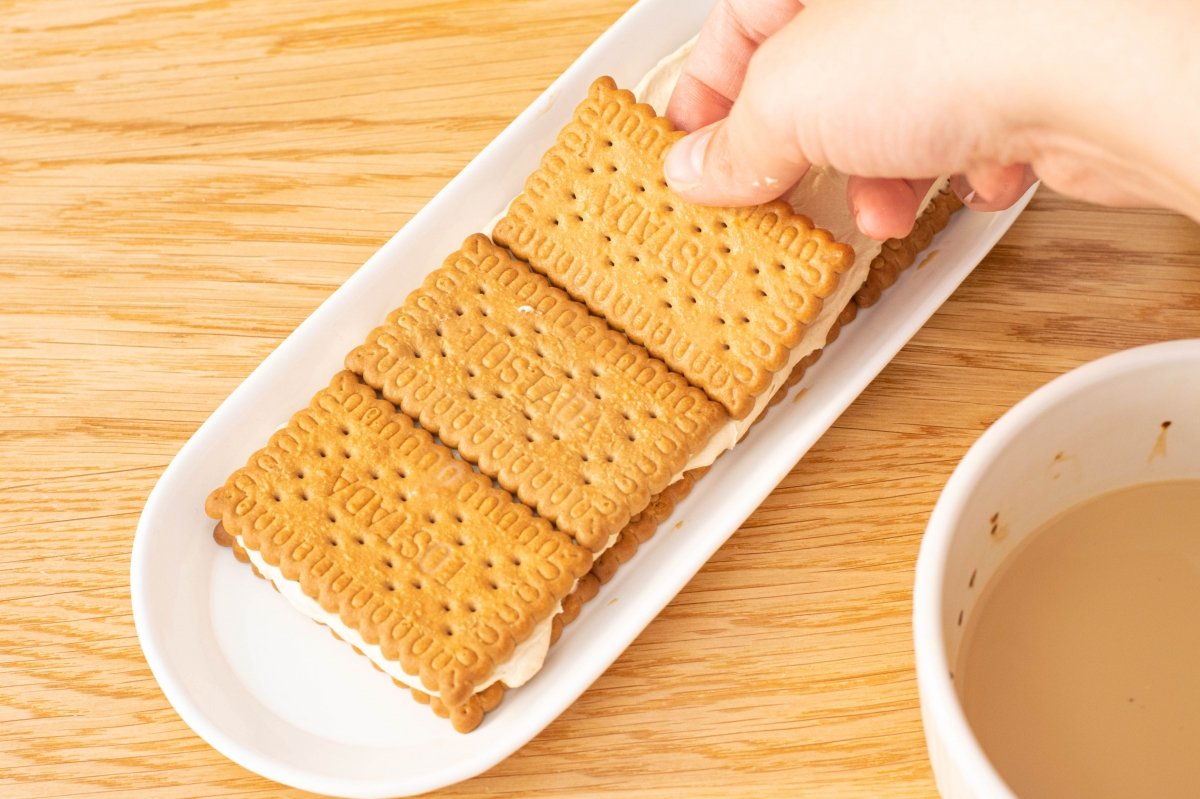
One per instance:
(721, 295)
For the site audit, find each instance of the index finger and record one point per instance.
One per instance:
(713, 73)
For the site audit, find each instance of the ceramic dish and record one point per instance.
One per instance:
(277, 694)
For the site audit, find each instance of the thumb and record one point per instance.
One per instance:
(747, 158)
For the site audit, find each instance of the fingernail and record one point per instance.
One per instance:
(858, 222)
(685, 163)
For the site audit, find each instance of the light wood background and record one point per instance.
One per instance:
(183, 181)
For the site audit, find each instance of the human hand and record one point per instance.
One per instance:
(991, 92)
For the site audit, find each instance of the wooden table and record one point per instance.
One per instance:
(183, 181)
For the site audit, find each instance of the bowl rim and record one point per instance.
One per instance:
(940, 706)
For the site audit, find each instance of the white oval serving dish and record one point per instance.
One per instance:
(277, 694)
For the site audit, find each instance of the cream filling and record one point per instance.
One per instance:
(526, 660)
(491, 225)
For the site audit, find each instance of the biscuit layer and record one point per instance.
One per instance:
(719, 294)
(546, 398)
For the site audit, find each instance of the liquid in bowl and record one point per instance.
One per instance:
(1079, 671)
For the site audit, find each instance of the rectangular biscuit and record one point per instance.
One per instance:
(404, 543)
(545, 397)
(720, 294)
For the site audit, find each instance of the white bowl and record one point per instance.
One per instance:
(1093, 430)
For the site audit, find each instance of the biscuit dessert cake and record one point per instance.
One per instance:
(524, 420)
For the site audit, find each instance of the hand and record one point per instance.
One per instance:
(990, 91)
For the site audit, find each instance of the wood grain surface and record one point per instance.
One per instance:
(183, 181)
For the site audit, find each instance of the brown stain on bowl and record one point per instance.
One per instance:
(1063, 463)
(1160, 443)
(999, 529)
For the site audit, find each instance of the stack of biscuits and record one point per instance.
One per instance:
(508, 436)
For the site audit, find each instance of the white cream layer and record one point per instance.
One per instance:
(526, 660)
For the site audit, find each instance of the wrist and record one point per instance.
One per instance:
(1113, 110)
